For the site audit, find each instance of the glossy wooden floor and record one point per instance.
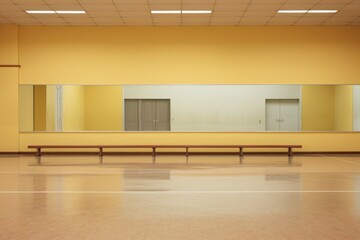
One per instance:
(316, 197)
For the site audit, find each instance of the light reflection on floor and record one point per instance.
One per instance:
(213, 197)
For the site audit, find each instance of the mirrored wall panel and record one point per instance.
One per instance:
(189, 108)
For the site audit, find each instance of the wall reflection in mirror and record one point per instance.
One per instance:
(189, 108)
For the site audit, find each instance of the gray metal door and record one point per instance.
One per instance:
(147, 115)
(131, 115)
(162, 115)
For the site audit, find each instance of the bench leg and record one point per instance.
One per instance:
(290, 159)
(38, 155)
(241, 155)
(290, 153)
(154, 154)
(187, 155)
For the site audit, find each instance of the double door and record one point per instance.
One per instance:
(282, 115)
(147, 114)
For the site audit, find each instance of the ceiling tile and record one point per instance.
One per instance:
(28, 2)
(133, 7)
(104, 14)
(267, 1)
(10, 8)
(197, 7)
(225, 19)
(139, 24)
(334, 1)
(110, 23)
(328, 6)
(130, 1)
(62, 2)
(255, 19)
(15, 14)
(308, 23)
(164, 20)
(233, 1)
(4, 21)
(51, 20)
(352, 7)
(99, 8)
(165, 7)
(264, 7)
(313, 19)
(165, 2)
(191, 19)
(65, 7)
(230, 7)
(341, 19)
(72, 15)
(23, 20)
(128, 20)
(302, 1)
(227, 13)
(78, 20)
(137, 14)
(96, 2)
(259, 14)
(35, 7)
(198, 1)
(347, 13)
(6, 2)
(297, 6)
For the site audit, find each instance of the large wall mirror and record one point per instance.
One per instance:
(189, 108)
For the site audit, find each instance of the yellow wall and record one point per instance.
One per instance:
(50, 107)
(343, 108)
(318, 108)
(26, 108)
(9, 119)
(73, 108)
(176, 55)
(103, 108)
(9, 54)
(189, 55)
(40, 108)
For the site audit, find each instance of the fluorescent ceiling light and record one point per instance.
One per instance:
(165, 11)
(292, 11)
(322, 11)
(181, 11)
(41, 12)
(196, 11)
(70, 12)
(53, 12)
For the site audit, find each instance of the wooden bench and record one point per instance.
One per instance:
(154, 147)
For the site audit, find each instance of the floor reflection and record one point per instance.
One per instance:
(212, 197)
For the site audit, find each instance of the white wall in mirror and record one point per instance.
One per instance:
(216, 107)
